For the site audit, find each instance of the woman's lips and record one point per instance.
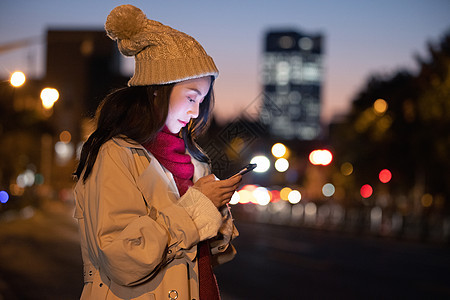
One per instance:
(183, 122)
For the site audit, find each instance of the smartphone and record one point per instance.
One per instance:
(246, 169)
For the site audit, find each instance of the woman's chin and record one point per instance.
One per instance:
(174, 130)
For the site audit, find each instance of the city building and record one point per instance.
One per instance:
(83, 65)
(45, 120)
(292, 76)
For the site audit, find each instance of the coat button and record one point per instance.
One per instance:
(173, 295)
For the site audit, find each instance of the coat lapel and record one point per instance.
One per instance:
(154, 180)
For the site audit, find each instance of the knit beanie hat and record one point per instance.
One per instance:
(162, 54)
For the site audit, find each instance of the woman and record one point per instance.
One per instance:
(149, 211)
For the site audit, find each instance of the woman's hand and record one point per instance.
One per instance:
(218, 191)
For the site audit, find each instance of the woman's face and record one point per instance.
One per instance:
(184, 102)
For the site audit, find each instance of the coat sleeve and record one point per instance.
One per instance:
(222, 249)
(131, 245)
(205, 215)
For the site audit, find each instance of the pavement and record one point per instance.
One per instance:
(40, 259)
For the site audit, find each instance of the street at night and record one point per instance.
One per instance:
(280, 262)
(40, 259)
(40, 255)
(342, 110)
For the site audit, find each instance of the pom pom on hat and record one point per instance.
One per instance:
(125, 21)
(162, 54)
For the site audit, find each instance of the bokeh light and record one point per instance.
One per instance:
(366, 191)
(17, 79)
(294, 197)
(49, 96)
(281, 164)
(65, 137)
(328, 190)
(38, 179)
(262, 196)
(426, 200)
(245, 196)
(16, 190)
(235, 199)
(385, 176)
(346, 169)
(4, 197)
(380, 106)
(320, 157)
(25, 179)
(275, 196)
(278, 150)
(263, 163)
(284, 193)
(64, 151)
(310, 209)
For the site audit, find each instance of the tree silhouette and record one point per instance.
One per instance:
(412, 138)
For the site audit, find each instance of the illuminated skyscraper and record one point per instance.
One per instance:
(292, 79)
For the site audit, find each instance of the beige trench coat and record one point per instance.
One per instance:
(138, 237)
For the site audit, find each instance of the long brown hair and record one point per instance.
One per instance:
(138, 113)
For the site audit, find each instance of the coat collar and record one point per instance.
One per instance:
(123, 141)
(154, 164)
(200, 169)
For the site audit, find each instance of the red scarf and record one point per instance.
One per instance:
(169, 149)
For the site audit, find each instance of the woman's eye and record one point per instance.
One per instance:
(190, 99)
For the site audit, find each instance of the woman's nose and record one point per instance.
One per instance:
(194, 111)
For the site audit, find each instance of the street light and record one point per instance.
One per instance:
(49, 96)
(17, 79)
